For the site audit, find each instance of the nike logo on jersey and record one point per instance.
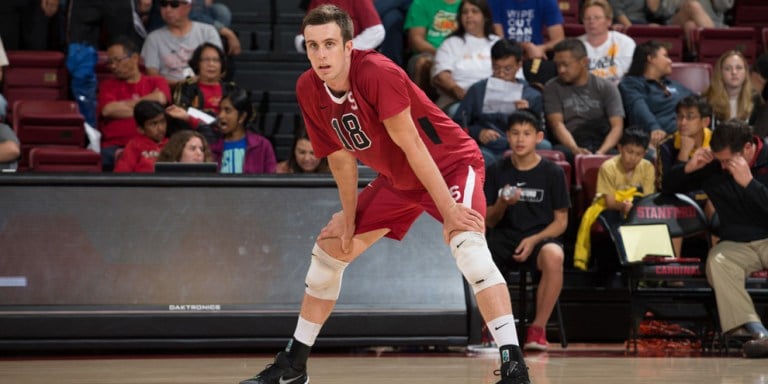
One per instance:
(323, 107)
(459, 245)
(284, 381)
(521, 184)
(500, 326)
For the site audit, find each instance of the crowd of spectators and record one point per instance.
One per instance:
(170, 98)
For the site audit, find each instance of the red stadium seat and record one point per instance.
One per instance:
(695, 76)
(570, 10)
(670, 36)
(710, 43)
(573, 30)
(765, 39)
(35, 75)
(64, 159)
(551, 154)
(586, 170)
(46, 123)
(750, 13)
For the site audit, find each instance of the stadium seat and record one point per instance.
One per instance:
(670, 36)
(63, 159)
(34, 75)
(765, 39)
(750, 13)
(570, 11)
(695, 76)
(710, 43)
(573, 30)
(551, 154)
(670, 289)
(586, 170)
(47, 123)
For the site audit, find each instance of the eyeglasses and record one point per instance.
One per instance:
(593, 18)
(214, 60)
(689, 117)
(172, 3)
(116, 60)
(505, 70)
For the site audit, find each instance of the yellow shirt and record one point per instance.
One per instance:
(613, 177)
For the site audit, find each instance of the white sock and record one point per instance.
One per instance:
(503, 330)
(306, 331)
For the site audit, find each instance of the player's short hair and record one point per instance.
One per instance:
(523, 116)
(635, 135)
(695, 101)
(732, 134)
(329, 13)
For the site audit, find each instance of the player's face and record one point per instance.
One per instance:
(305, 156)
(193, 151)
(329, 55)
(631, 155)
(734, 72)
(523, 139)
(690, 122)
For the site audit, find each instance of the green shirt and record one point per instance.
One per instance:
(437, 16)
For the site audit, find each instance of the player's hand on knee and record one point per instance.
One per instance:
(337, 227)
(462, 219)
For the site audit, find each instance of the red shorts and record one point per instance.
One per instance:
(380, 205)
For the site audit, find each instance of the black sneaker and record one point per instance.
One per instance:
(756, 349)
(513, 369)
(280, 372)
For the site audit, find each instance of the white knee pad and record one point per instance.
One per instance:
(474, 260)
(323, 279)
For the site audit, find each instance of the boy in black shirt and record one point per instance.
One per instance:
(528, 210)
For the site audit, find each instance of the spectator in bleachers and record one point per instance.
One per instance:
(119, 95)
(302, 158)
(167, 50)
(392, 14)
(24, 23)
(484, 113)
(141, 152)
(694, 115)
(428, 23)
(734, 174)
(650, 98)
(369, 31)
(628, 12)
(525, 225)
(3, 64)
(241, 150)
(203, 92)
(87, 17)
(759, 78)
(524, 22)
(186, 147)
(465, 56)
(584, 112)
(609, 52)
(692, 14)
(730, 92)
(208, 12)
(10, 151)
(620, 180)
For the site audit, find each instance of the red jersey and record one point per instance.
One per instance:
(379, 90)
(140, 155)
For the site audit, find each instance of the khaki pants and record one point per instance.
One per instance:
(728, 266)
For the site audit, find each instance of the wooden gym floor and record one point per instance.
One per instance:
(579, 364)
